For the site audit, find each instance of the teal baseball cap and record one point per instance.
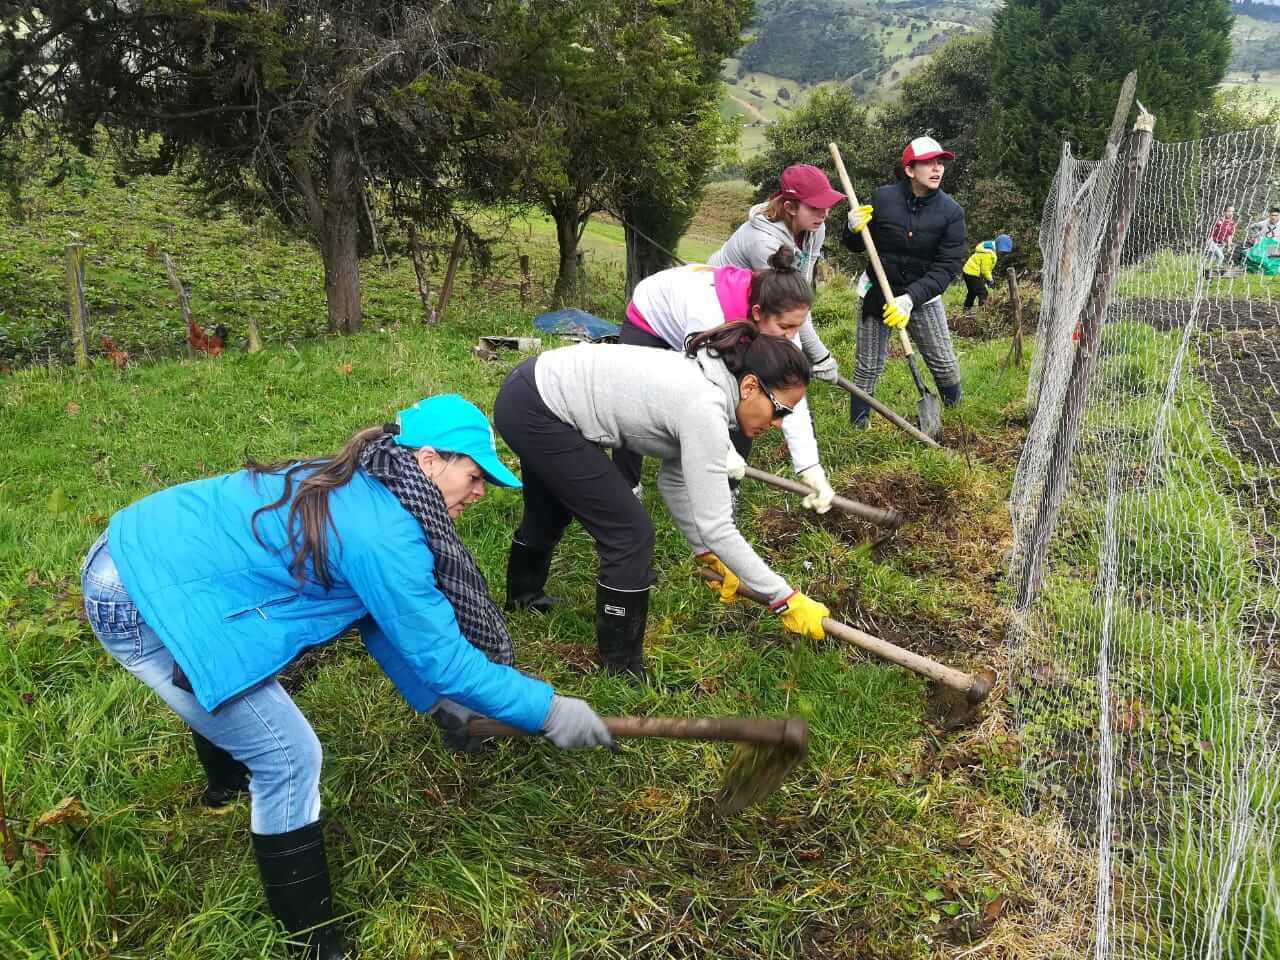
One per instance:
(453, 424)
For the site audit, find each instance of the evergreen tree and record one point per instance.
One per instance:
(1057, 66)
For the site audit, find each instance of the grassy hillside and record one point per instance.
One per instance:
(893, 841)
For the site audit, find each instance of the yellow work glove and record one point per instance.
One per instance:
(859, 217)
(803, 615)
(897, 313)
(727, 584)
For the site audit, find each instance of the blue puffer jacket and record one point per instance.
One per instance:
(232, 614)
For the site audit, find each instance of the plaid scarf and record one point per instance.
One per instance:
(456, 572)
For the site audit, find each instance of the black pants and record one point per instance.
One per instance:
(629, 464)
(977, 290)
(567, 477)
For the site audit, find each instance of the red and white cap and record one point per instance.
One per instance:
(924, 148)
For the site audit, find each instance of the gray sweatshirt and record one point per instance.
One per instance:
(662, 404)
(751, 246)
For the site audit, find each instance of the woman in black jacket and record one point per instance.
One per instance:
(920, 235)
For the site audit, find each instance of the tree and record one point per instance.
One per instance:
(312, 109)
(616, 97)
(1057, 66)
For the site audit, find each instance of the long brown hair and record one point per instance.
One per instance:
(308, 521)
(742, 348)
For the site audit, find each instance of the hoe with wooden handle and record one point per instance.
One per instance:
(767, 750)
(972, 688)
(886, 519)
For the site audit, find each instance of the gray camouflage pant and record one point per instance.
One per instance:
(929, 334)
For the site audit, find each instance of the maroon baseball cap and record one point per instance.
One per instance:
(808, 184)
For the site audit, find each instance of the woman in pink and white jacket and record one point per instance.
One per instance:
(670, 306)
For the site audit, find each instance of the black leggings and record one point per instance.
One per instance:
(565, 477)
(629, 463)
(977, 290)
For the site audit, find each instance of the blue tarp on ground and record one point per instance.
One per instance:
(572, 322)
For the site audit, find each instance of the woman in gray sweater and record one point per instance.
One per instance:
(558, 411)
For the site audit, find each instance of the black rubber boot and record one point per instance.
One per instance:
(295, 876)
(859, 412)
(620, 620)
(227, 776)
(950, 394)
(527, 571)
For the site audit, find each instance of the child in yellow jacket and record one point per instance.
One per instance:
(979, 268)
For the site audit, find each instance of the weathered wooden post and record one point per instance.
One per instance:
(526, 281)
(1085, 360)
(455, 257)
(1015, 348)
(77, 305)
(255, 336)
(184, 305)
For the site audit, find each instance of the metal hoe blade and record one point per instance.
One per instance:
(757, 769)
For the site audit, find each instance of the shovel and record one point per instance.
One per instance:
(964, 692)
(928, 409)
(767, 750)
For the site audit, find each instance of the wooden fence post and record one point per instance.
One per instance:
(1085, 360)
(77, 305)
(455, 256)
(526, 281)
(184, 304)
(255, 336)
(1015, 348)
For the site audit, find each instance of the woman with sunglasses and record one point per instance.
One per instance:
(559, 409)
(670, 306)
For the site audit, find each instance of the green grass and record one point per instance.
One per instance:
(1172, 275)
(888, 842)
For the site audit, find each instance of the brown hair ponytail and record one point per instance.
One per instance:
(780, 286)
(308, 520)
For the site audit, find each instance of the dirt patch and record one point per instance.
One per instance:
(1242, 369)
(1213, 314)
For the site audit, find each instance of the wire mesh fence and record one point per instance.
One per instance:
(1145, 575)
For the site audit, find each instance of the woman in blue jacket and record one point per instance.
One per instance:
(206, 590)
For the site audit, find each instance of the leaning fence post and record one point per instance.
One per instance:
(526, 281)
(1015, 348)
(184, 305)
(451, 271)
(420, 273)
(1085, 360)
(77, 305)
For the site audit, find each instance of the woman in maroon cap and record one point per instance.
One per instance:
(795, 217)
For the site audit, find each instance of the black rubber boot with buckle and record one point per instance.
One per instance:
(228, 778)
(527, 572)
(621, 616)
(295, 876)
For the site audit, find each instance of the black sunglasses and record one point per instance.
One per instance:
(780, 409)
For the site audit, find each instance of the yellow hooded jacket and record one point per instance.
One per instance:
(982, 261)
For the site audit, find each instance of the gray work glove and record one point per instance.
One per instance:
(571, 724)
(826, 369)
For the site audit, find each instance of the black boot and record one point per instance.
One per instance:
(227, 776)
(527, 571)
(620, 620)
(859, 412)
(295, 876)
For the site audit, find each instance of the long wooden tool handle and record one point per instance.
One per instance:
(899, 421)
(975, 688)
(876, 266)
(791, 730)
(872, 253)
(889, 519)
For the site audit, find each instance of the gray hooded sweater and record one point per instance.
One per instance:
(662, 404)
(751, 246)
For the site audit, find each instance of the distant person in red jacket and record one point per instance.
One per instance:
(1220, 237)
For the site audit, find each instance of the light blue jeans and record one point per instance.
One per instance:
(263, 728)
